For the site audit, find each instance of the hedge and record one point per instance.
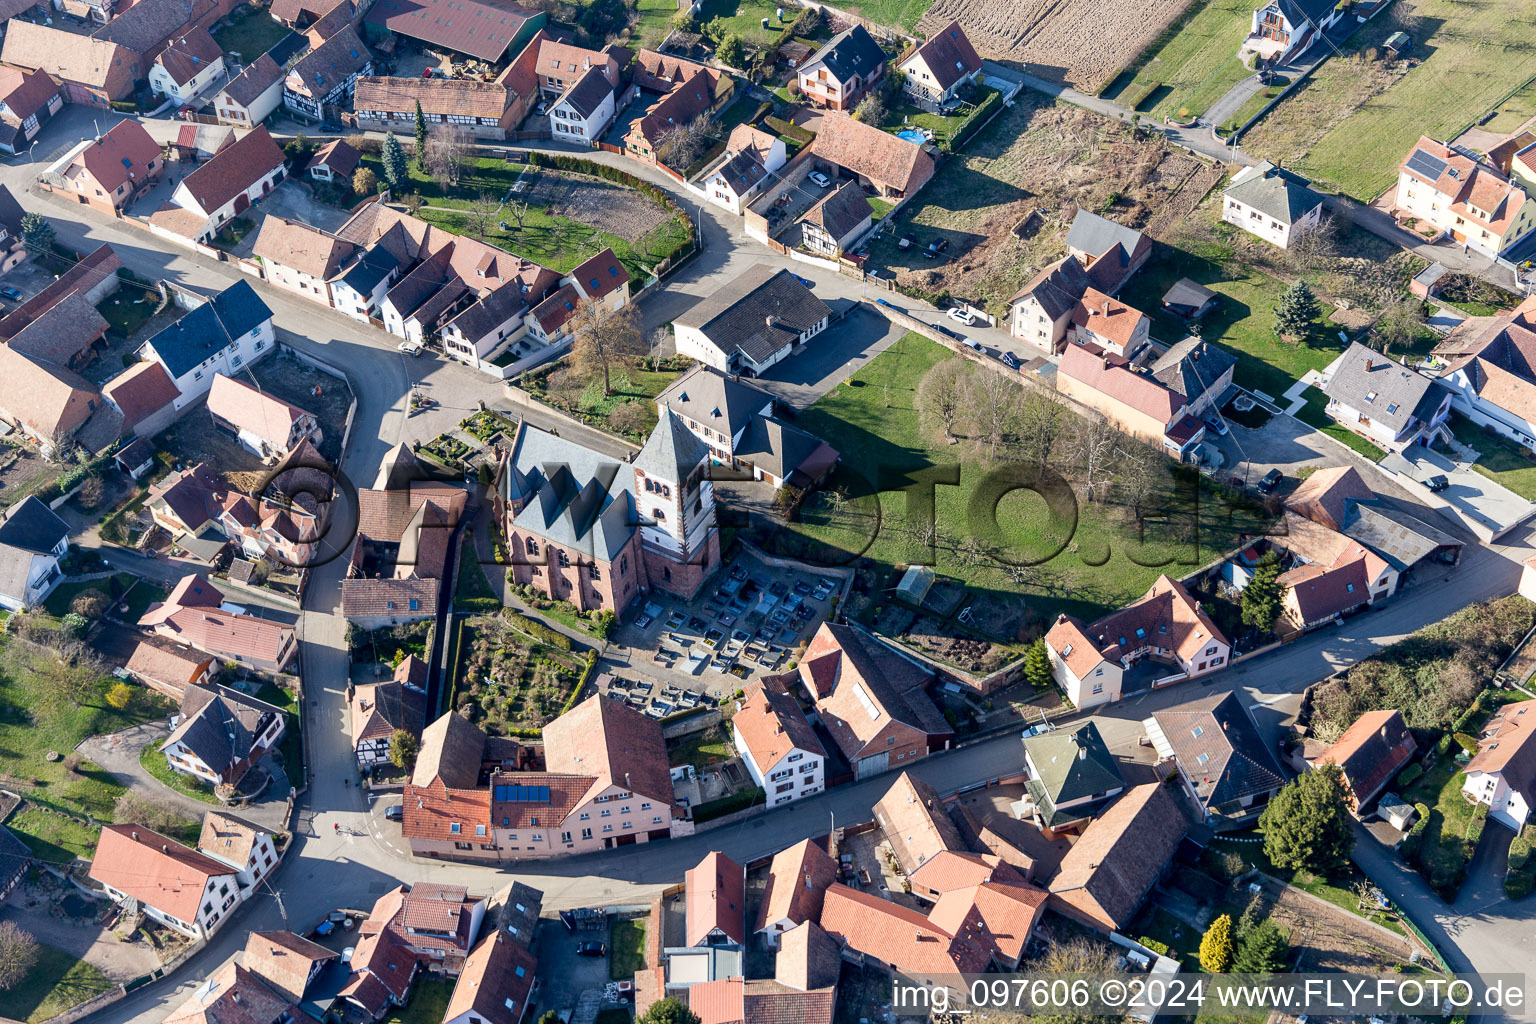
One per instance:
(727, 805)
(477, 605)
(1465, 717)
(1160, 948)
(1465, 742)
(974, 122)
(790, 130)
(581, 684)
(1409, 775)
(539, 631)
(1145, 92)
(1443, 746)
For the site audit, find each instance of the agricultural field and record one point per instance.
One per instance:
(1194, 64)
(1352, 123)
(899, 14)
(1044, 159)
(1084, 43)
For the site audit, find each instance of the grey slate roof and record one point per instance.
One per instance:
(1237, 762)
(742, 171)
(850, 52)
(672, 451)
(588, 93)
(10, 213)
(1400, 538)
(332, 63)
(721, 403)
(841, 211)
(376, 263)
(759, 313)
(777, 447)
(32, 526)
(483, 317)
(575, 497)
(1192, 367)
(1057, 288)
(256, 79)
(1185, 292)
(1385, 390)
(219, 725)
(211, 327)
(1096, 235)
(1275, 192)
(1299, 12)
(1070, 764)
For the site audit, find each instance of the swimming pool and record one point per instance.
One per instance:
(911, 135)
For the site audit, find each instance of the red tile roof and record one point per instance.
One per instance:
(155, 870)
(188, 54)
(1371, 752)
(614, 744)
(495, 982)
(883, 158)
(123, 153)
(717, 899)
(999, 916)
(283, 960)
(895, 935)
(233, 170)
(600, 275)
(1112, 376)
(140, 391)
(1120, 855)
(772, 726)
(207, 628)
(797, 881)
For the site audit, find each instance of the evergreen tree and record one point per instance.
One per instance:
(1262, 950)
(1296, 311)
(421, 139)
(403, 747)
(1037, 665)
(670, 1010)
(1216, 946)
(37, 232)
(1306, 825)
(395, 171)
(1261, 597)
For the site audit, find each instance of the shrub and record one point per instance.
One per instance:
(1160, 948)
(92, 604)
(1443, 746)
(1409, 775)
(75, 625)
(539, 631)
(1465, 742)
(119, 695)
(1216, 945)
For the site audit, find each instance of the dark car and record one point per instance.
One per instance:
(949, 332)
(591, 949)
(1437, 483)
(1010, 360)
(395, 813)
(11, 293)
(1271, 481)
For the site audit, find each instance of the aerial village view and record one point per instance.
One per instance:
(709, 511)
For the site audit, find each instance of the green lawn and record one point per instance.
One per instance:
(292, 746)
(250, 33)
(745, 17)
(705, 747)
(1443, 855)
(589, 404)
(56, 983)
(1195, 62)
(903, 14)
(472, 581)
(127, 310)
(655, 22)
(1498, 459)
(1243, 322)
(154, 762)
(54, 837)
(626, 947)
(1315, 413)
(879, 207)
(1515, 111)
(1353, 123)
(1099, 565)
(428, 1003)
(65, 593)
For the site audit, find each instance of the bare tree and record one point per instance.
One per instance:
(994, 401)
(604, 337)
(682, 144)
(518, 212)
(447, 149)
(1140, 478)
(479, 214)
(941, 394)
(1399, 325)
(1091, 449)
(1041, 424)
(18, 953)
(1310, 248)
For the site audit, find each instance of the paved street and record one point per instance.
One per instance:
(327, 868)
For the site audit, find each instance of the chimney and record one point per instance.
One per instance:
(1106, 307)
(135, 837)
(1082, 753)
(1370, 364)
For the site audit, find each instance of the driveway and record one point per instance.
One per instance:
(563, 975)
(36, 907)
(1484, 506)
(829, 358)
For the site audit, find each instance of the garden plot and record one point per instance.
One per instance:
(1084, 43)
(596, 203)
(512, 681)
(1325, 938)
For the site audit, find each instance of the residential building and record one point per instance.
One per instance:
(233, 993)
(323, 78)
(888, 936)
(264, 425)
(187, 891)
(486, 110)
(221, 734)
(1156, 641)
(288, 964)
(244, 846)
(1454, 191)
(715, 895)
(1283, 30)
(1383, 401)
(1502, 774)
(13, 245)
(797, 883)
(202, 516)
(382, 709)
(1492, 372)
(1223, 760)
(744, 169)
(892, 166)
(1271, 202)
(222, 189)
(1338, 499)
(50, 403)
(116, 168)
(410, 929)
(1198, 372)
(145, 396)
(1120, 856)
(1131, 400)
(735, 420)
(838, 222)
(64, 335)
(1369, 755)
(1330, 573)
(301, 14)
(872, 699)
(475, 29)
(301, 258)
(585, 110)
(32, 540)
(497, 984)
(661, 73)
(1109, 324)
(1109, 252)
(93, 71)
(169, 667)
(999, 912)
(559, 65)
(753, 322)
(935, 73)
(843, 71)
(1071, 774)
(697, 91)
(250, 97)
(334, 162)
(777, 745)
(1042, 309)
(193, 614)
(404, 544)
(189, 64)
(219, 334)
(736, 1000)
(917, 826)
(606, 783)
(28, 100)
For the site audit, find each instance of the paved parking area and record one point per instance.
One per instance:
(830, 358)
(27, 278)
(564, 976)
(1482, 505)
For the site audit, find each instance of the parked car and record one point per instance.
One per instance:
(960, 315)
(976, 345)
(410, 348)
(820, 180)
(950, 332)
(10, 293)
(1010, 360)
(1271, 481)
(591, 949)
(394, 813)
(1438, 482)
(1216, 424)
(805, 281)
(886, 304)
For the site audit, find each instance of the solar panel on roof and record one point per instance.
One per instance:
(522, 794)
(1427, 164)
